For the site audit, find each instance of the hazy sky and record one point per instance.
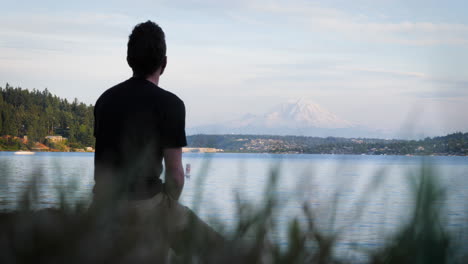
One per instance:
(381, 63)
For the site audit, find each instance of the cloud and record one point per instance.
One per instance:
(385, 72)
(441, 94)
(61, 32)
(358, 27)
(442, 88)
(32, 22)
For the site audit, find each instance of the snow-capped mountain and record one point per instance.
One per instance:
(299, 117)
(302, 113)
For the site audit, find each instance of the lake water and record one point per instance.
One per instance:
(368, 197)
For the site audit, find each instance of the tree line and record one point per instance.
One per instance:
(452, 144)
(37, 114)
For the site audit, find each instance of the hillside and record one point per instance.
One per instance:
(27, 117)
(453, 144)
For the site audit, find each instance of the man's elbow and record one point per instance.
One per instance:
(177, 176)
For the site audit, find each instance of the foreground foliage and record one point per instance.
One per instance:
(74, 234)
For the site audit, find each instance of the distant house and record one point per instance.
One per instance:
(201, 150)
(56, 138)
(89, 149)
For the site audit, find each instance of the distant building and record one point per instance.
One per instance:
(358, 141)
(201, 150)
(56, 138)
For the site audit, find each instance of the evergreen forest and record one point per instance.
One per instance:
(37, 114)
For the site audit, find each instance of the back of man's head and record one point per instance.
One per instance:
(146, 49)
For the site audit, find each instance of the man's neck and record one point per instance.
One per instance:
(154, 78)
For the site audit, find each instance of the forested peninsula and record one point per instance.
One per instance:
(36, 120)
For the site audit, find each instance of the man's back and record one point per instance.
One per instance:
(134, 121)
(137, 126)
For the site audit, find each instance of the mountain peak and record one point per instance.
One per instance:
(302, 101)
(304, 113)
(294, 117)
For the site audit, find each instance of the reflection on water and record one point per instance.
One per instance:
(72, 172)
(367, 197)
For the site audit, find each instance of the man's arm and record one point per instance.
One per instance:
(174, 175)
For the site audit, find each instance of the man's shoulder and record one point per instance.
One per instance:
(171, 98)
(111, 91)
(139, 88)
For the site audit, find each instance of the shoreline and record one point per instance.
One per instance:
(269, 153)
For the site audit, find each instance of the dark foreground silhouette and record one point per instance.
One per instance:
(119, 235)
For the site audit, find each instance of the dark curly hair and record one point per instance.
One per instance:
(146, 49)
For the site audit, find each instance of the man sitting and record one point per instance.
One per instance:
(138, 125)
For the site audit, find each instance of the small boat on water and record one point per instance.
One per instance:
(22, 152)
(187, 170)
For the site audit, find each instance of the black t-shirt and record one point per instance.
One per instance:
(134, 121)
